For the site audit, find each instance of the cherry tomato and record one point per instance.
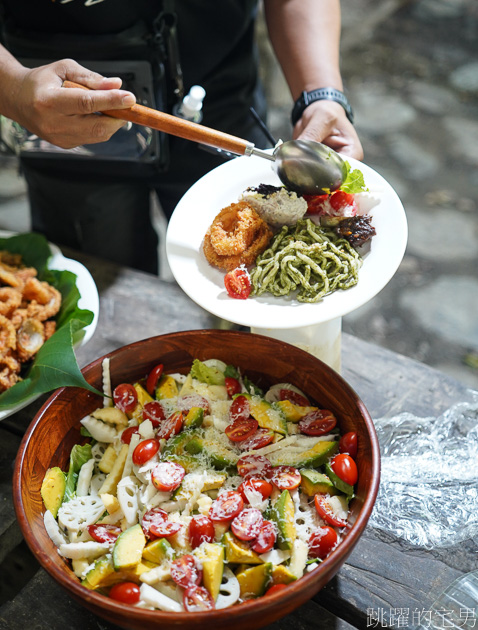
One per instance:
(164, 529)
(247, 524)
(266, 538)
(145, 451)
(201, 529)
(339, 200)
(293, 397)
(167, 476)
(262, 437)
(241, 429)
(233, 386)
(185, 403)
(240, 409)
(125, 592)
(345, 468)
(253, 487)
(104, 533)
(153, 378)
(254, 466)
(275, 588)
(238, 284)
(125, 397)
(286, 477)
(226, 506)
(185, 571)
(349, 444)
(325, 512)
(316, 204)
(128, 434)
(170, 426)
(198, 598)
(154, 411)
(153, 516)
(322, 541)
(317, 422)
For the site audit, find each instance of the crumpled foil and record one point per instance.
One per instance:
(429, 477)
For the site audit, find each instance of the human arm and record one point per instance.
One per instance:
(65, 117)
(305, 35)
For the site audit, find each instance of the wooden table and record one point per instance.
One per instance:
(383, 577)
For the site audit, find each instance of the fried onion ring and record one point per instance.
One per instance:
(10, 300)
(233, 229)
(247, 258)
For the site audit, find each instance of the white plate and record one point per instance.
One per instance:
(89, 299)
(205, 284)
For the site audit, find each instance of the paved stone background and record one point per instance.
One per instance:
(411, 72)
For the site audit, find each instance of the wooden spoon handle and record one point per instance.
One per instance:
(175, 126)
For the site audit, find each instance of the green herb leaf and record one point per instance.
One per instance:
(79, 455)
(354, 181)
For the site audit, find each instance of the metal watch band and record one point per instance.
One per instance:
(328, 94)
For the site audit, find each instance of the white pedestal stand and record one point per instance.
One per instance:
(321, 340)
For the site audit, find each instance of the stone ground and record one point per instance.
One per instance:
(411, 72)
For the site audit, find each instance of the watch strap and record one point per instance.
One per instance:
(321, 94)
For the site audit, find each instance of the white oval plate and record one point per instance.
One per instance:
(89, 299)
(205, 284)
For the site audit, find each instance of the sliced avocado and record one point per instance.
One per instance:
(219, 456)
(102, 568)
(338, 483)
(282, 513)
(239, 552)
(194, 418)
(128, 548)
(211, 556)
(254, 581)
(174, 451)
(311, 458)
(313, 482)
(282, 575)
(167, 388)
(292, 412)
(158, 550)
(267, 415)
(143, 399)
(53, 489)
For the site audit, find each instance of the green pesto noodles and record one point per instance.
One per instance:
(307, 258)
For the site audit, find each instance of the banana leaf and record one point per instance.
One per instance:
(55, 364)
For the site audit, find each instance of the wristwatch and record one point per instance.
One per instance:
(328, 94)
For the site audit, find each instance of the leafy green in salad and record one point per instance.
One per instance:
(354, 181)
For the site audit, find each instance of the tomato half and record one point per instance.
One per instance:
(345, 468)
(185, 571)
(201, 529)
(153, 378)
(128, 433)
(286, 477)
(322, 541)
(125, 592)
(154, 411)
(125, 397)
(104, 533)
(226, 506)
(254, 466)
(266, 538)
(167, 476)
(240, 409)
(247, 524)
(170, 426)
(144, 451)
(317, 422)
(254, 487)
(275, 588)
(262, 437)
(349, 444)
(233, 386)
(325, 512)
(197, 598)
(241, 429)
(340, 200)
(153, 516)
(293, 397)
(316, 204)
(238, 283)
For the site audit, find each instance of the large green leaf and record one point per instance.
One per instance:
(55, 365)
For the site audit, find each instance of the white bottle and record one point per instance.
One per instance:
(191, 107)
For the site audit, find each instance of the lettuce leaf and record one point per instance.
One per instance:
(206, 374)
(354, 181)
(55, 365)
(79, 455)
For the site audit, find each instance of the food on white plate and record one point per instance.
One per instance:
(277, 205)
(27, 309)
(213, 493)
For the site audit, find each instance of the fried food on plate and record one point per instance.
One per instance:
(236, 237)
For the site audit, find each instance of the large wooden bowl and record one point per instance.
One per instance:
(266, 361)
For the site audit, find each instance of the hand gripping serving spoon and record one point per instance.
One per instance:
(305, 166)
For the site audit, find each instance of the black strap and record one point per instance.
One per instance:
(327, 93)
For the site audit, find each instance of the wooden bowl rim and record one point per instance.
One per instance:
(259, 605)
